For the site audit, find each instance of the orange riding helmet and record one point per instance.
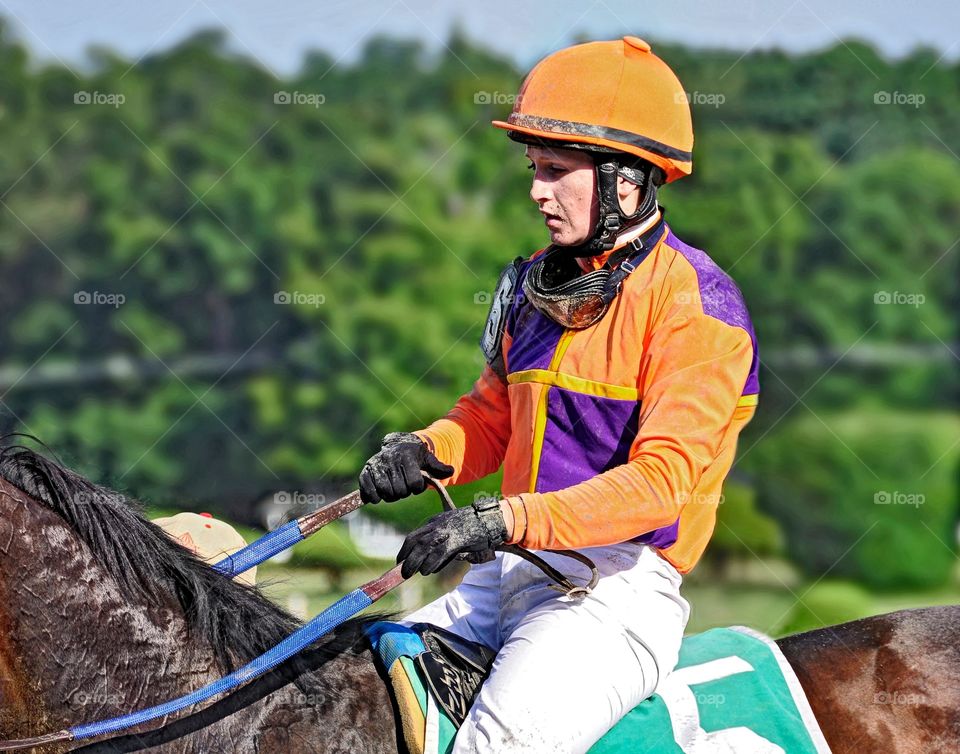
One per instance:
(617, 95)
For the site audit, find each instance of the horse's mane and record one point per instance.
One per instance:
(235, 620)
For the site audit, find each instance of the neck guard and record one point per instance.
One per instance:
(555, 286)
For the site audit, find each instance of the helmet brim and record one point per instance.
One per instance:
(673, 168)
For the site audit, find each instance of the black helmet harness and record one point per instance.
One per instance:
(609, 164)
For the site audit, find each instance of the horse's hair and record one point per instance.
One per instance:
(147, 565)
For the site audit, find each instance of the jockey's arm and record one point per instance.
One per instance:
(690, 390)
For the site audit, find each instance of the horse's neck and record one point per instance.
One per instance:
(73, 649)
(76, 647)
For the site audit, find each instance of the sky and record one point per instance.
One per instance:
(278, 33)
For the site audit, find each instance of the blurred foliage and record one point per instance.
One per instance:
(825, 604)
(386, 203)
(743, 531)
(865, 496)
(332, 548)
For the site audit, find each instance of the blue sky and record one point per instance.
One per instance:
(279, 32)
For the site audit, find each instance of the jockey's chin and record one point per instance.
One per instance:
(564, 233)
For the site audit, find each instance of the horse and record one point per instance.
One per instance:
(101, 614)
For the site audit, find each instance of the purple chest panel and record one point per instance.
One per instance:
(535, 338)
(721, 300)
(663, 537)
(586, 435)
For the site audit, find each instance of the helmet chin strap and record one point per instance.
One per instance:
(612, 221)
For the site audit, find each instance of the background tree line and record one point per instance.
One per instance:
(217, 283)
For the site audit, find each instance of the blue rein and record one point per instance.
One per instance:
(288, 535)
(263, 549)
(341, 610)
(253, 554)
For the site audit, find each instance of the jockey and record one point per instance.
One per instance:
(622, 365)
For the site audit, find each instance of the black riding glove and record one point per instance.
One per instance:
(395, 471)
(477, 529)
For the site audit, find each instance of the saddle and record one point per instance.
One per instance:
(732, 691)
(453, 668)
(435, 676)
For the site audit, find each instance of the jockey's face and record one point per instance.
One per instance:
(564, 188)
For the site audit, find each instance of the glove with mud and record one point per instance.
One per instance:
(395, 471)
(475, 530)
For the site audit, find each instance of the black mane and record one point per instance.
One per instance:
(236, 621)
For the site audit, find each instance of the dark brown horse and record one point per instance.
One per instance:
(101, 614)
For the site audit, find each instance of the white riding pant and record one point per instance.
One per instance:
(567, 669)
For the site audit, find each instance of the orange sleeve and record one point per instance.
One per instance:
(473, 436)
(690, 385)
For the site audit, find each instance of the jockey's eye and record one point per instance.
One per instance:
(553, 168)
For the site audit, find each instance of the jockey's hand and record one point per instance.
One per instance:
(395, 471)
(477, 529)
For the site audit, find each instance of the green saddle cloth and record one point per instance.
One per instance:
(732, 692)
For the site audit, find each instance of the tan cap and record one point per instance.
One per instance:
(208, 538)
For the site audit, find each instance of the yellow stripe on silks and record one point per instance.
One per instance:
(748, 400)
(577, 384)
(540, 420)
(412, 719)
(562, 346)
(539, 429)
